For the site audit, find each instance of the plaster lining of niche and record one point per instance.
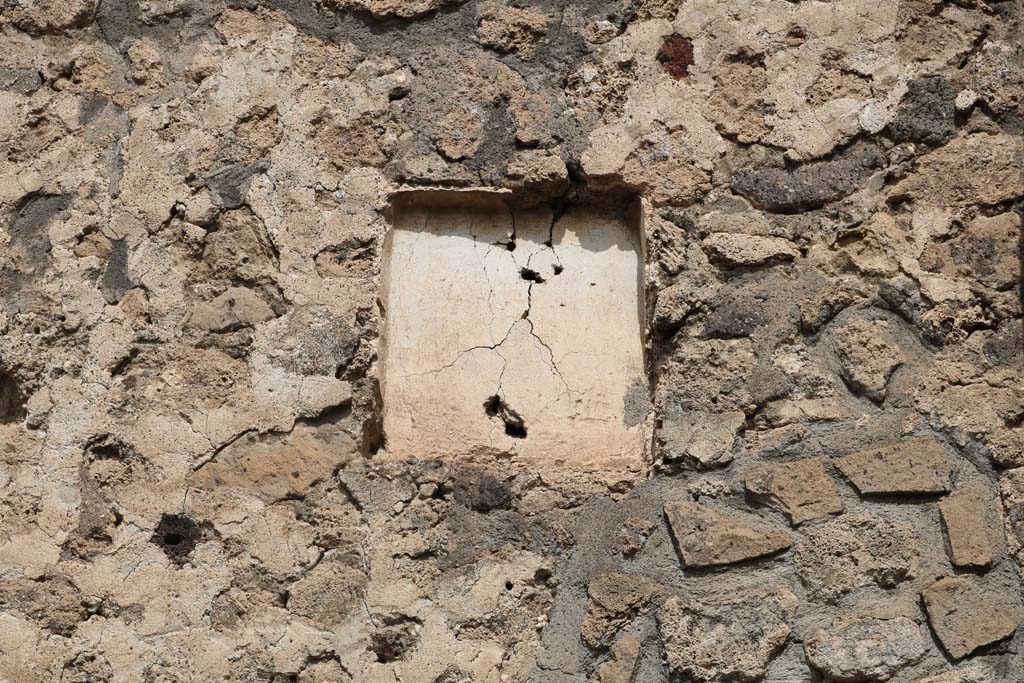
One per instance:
(514, 333)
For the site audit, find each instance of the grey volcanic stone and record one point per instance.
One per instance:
(926, 113)
(810, 185)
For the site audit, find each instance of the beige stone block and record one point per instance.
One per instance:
(706, 537)
(918, 465)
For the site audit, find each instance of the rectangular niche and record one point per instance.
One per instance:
(513, 333)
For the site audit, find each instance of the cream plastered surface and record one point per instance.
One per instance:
(514, 334)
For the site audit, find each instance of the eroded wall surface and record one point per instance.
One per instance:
(196, 203)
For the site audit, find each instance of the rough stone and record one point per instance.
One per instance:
(810, 185)
(1011, 489)
(853, 551)
(622, 661)
(406, 9)
(615, 599)
(800, 488)
(51, 601)
(966, 613)
(974, 672)
(275, 467)
(511, 29)
(868, 356)
(917, 465)
(732, 249)
(973, 169)
(729, 637)
(926, 113)
(985, 251)
(458, 133)
(865, 649)
(328, 593)
(699, 439)
(707, 537)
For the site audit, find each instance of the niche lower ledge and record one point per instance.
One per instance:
(514, 334)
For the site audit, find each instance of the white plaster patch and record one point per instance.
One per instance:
(507, 335)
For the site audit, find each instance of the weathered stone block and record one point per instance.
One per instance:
(966, 613)
(865, 649)
(726, 638)
(973, 527)
(916, 466)
(707, 537)
(801, 488)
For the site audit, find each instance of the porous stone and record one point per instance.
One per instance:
(917, 465)
(458, 133)
(974, 672)
(865, 649)
(1011, 490)
(707, 537)
(967, 613)
(972, 169)
(926, 113)
(614, 600)
(511, 29)
(853, 551)
(732, 249)
(730, 637)
(868, 356)
(405, 9)
(800, 488)
(810, 185)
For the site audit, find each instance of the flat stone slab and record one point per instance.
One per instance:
(802, 489)
(915, 466)
(967, 613)
(707, 537)
(973, 527)
(728, 637)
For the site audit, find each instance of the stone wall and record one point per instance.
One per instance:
(196, 203)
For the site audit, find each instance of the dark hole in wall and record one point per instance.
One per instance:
(531, 275)
(514, 424)
(177, 536)
(393, 641)
(12, 403)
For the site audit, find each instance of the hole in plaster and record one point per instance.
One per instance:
(515, 429)
(531, 275)
(177, 536)
(514, 425)
(463, 320)
(492, 406)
